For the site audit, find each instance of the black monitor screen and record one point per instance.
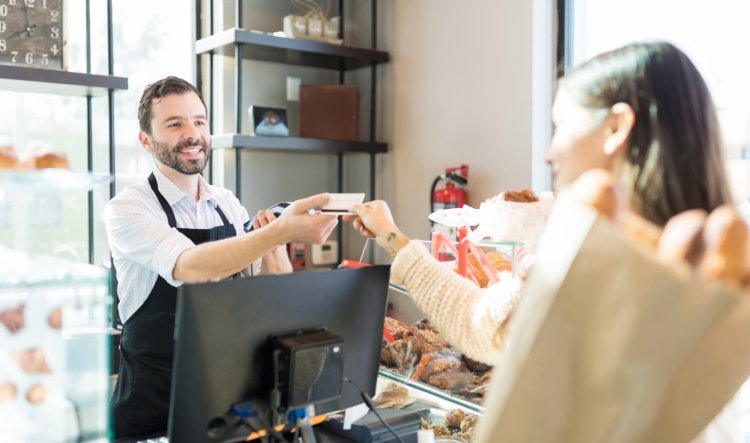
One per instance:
(222, 349)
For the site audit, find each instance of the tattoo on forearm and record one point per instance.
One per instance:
(390, 247)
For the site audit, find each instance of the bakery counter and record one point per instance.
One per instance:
(415, 355)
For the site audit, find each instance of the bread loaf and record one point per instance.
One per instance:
(8, 159)
(726, 237)
(496, 259)
(682, 238)
(49, 160)
(520, 196)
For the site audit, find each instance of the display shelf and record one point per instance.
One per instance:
(433, 408)
(430, 394)
(296, 144)
(271, 48)
(50, 180)
(19, 270)
(50, 81)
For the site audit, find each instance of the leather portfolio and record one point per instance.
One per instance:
(328, 111)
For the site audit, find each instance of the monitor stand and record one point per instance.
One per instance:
(306, 431)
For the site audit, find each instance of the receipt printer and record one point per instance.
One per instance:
(369, 429)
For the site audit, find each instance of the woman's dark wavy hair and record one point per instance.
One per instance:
(674, 161)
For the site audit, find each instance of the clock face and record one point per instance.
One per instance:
(31, 33)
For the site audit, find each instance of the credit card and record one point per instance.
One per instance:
(340, 204)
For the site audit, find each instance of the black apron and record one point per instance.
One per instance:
(141, 397)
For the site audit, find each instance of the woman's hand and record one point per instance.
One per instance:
(276, 261)
(374, 219)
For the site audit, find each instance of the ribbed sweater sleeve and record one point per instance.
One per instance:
(471, 318)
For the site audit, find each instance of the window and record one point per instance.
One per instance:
(714, 34)
(147, 46)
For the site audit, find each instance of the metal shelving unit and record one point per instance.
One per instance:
(242, 45)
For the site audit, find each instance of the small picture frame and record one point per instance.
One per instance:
(268, 121)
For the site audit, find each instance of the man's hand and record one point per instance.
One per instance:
(301, 222)
(276, 261)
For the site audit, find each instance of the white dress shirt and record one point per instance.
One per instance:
(143, 245)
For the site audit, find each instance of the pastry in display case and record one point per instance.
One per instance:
(418, 354)
(54, 314)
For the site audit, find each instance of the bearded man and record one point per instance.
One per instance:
(173, 228)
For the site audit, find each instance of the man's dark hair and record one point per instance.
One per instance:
(154, 91)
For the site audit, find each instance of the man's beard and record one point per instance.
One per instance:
(168, 155)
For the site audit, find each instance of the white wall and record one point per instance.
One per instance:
(462, 93)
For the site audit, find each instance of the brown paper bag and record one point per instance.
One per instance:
(610, 345)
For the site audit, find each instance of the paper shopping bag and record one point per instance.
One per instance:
(610, 345)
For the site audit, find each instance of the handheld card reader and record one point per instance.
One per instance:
(277, 209)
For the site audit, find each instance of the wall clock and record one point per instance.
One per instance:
(31, 33)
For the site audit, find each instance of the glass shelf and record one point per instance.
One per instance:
(448, 400)
(18, 270)
(48, 180)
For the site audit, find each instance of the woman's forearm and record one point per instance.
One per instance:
(470, 318)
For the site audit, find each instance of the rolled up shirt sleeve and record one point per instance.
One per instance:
(141, 233)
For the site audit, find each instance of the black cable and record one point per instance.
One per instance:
(368, 401)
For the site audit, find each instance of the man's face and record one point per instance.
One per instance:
(179, 137)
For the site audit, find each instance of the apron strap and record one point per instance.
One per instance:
(163, 201)
(223, 217)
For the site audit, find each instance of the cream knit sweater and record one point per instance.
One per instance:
(470, 318)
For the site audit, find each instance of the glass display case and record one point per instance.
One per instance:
(54, 314)
(443, 382)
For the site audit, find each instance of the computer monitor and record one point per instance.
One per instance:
(222, 352)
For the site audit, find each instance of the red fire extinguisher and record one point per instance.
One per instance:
(452, 195)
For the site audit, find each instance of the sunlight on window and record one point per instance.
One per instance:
(714, 34)
(147, 48)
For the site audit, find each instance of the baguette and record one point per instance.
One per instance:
(727, 238)
(682, 238)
